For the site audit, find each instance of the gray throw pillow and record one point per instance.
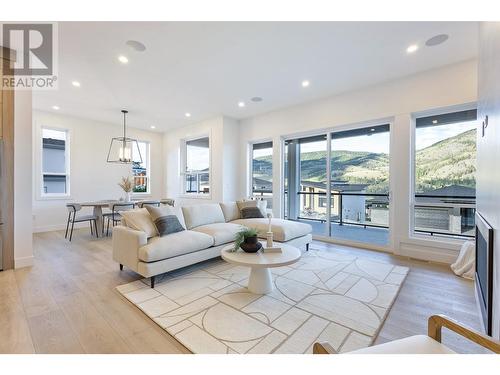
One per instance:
(251, 213)
(165, 221)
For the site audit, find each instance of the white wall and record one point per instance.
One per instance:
(91, 177)
(224, 159)
(488, 153)
(394, 101)
(23, 238)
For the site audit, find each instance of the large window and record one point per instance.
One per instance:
(262, 171)
(445, 166)
(355, 180)
(196, 166)
(141, 171)
(55, 163)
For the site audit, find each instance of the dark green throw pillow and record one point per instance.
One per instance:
(251, 213)
(165, 220)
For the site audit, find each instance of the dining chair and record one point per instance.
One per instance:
(114, 216)
(142, 204)
(167, 202)
(73, 208)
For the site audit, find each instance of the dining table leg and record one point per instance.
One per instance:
(98, 215)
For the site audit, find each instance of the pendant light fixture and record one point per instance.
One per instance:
(122, 149)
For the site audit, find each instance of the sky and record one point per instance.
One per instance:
(432, 134)
(379, 143)
(197, 158)
(54, 134)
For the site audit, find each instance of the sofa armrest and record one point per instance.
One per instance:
(126, 244)
(437, 322)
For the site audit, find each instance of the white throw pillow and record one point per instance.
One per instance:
(230, 210)
(140, 219)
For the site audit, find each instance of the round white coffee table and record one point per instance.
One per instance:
(261, 281)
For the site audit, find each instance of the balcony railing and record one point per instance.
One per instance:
(435, 215)
(361, 209)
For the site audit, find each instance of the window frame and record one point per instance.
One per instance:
(250, 164)
(183, 166)
(147, 158)
(41, 195)
(412, 234)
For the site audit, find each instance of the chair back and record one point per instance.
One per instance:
(73, 207)
(117, 207)
(168, 202)
(149, 203)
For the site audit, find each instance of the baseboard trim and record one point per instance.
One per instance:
(428, 253)
(56, 227)
(24, 262)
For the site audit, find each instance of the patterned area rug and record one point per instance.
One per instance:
(325, 296)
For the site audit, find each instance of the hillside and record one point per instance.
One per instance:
(437, 165)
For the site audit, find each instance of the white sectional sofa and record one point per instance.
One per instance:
(209, 227)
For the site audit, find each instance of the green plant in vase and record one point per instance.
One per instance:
(243, 236)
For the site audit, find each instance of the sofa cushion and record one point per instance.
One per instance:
(165, 220)
(418, 344)
(283, 230)
(139, 219)
(230, 210)
(175, 244)
(222, 233)
(202, 214)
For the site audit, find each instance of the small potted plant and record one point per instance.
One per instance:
(247, 240)
(127, 185)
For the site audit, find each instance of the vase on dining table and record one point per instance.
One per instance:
(128, 196)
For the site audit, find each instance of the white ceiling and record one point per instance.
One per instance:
(205, 68)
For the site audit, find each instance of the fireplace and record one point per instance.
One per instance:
(484, 270)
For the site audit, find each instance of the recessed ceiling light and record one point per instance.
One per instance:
(412, 48)
(256, 99)
(153, 127)
(55, 107)
(434, 121)
(305, 83)
(76, 83)
(372, 129)
(241, 104)
(187, 114)
(136, 45)
(123, 59)
(436, 40)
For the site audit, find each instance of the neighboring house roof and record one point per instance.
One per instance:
(57, 144)
(452, 190)
(262, 186)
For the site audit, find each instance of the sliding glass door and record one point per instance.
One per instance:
(360, 185)
(305, 181)
(339, 183)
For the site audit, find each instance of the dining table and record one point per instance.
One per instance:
(97, 208)
(100, 204)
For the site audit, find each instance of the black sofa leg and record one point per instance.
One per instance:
(307, 247)
(121, 267)
(152, 281)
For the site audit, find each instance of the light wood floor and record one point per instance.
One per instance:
(66, 302)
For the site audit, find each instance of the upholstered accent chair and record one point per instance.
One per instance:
(422, 344)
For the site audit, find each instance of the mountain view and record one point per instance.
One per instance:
(437, 165)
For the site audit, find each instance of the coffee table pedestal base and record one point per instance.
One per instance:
(260, 281)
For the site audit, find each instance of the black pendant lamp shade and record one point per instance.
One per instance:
(122, 149)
